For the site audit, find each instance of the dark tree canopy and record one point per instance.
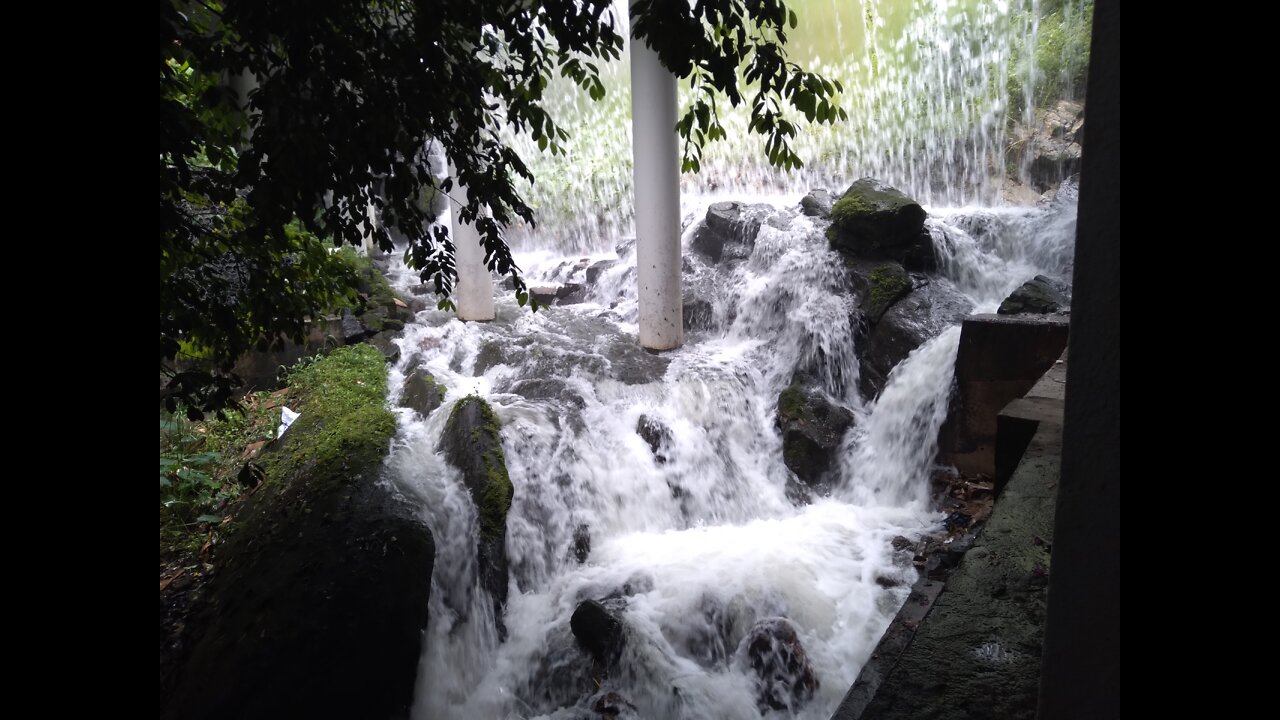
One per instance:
(350, 92)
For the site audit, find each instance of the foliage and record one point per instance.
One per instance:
(350, 93)
(1060, 55)
(342, 423)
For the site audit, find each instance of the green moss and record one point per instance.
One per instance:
(888, 283)
(791, 403)
(850, 206)
(344, 427)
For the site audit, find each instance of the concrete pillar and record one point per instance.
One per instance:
(473, 295)
(1080, 674)
(657, 199)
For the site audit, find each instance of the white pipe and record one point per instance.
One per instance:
(657, 200)
(473, 295)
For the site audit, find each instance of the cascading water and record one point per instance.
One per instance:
(692, 533)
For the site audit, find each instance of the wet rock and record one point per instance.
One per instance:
(697, 313)
(598, 631)
(472, 443)
(389, 349)
(784, 678)
(877, 222)
(491, 353)
(422, 392)
(609, 704)
(657, 435)
(726, 233)
(582, 542)
(878, 285)
(571, 294)
(1050, 150)
(1040, 295)
(924, 313)
(817, 204)
(900, 543)
(594, 271)
(812, 428)
(544, 294)
(421, 289)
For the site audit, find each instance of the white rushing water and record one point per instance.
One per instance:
(698, 541)
(707, 542)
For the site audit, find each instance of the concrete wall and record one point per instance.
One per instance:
(1001, 357)
(1081, 673)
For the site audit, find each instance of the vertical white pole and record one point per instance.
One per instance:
(473, 295)
(657, 199)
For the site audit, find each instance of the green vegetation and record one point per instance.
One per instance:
(888, 283)
(343, 422)
(850, 206)
(1061, 55)
(343, 425)
(199, 468)
(279, 126)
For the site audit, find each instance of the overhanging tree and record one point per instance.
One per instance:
(349, 93)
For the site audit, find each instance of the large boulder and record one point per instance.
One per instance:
(874, 221)
(784, 678)
(1040, 295)
(472, 442)
(422, 392)
(320, 597)
(878, 285)
(925, 312)
(728, 232)
(812, 428)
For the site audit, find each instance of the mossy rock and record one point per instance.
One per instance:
(319, 601)
(422, 392)
(472, 442)
(812, 428)
(1040, 295)
(872, 220)
(888, 283)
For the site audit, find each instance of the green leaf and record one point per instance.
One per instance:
(209, 519)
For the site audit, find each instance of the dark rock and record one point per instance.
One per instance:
(726, 233)
(657, 435)
(878, 284)
(877, 222)
(582, 542)
(609, 704)
(599, 632)
(390, 350)
(548, 388)
(1040, 295)
(422, 392)
(491, 353)
(817, 204)
(784, 678)
(545, 294)
(924, 313)
(900, 543)
(593, 272)
(421, 289)
(353, 329)
(571, 294)
(697, 313)
(472, 443)
(812, 428)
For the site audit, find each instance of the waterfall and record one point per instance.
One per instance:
(698, 540)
